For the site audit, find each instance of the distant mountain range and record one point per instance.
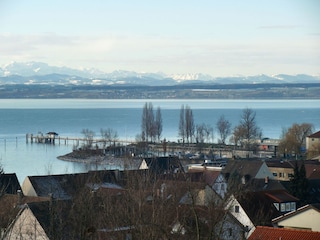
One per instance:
(41, 73)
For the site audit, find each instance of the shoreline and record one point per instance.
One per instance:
(93, 157)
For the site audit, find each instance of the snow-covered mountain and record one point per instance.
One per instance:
(191, 76)
(42, 73)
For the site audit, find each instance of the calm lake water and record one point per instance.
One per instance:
(69, 117)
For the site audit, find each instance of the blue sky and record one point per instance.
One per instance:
(220, 38)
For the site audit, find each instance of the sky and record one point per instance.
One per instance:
(220, 38)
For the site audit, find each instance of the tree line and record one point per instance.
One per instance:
(244, 135)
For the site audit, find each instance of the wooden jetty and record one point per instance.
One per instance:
(54, 138)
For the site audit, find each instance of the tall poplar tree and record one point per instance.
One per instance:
(158, 124)
(147, 124)
(182, 129)
(189, 121)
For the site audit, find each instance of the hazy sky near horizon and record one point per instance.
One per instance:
(219, 38)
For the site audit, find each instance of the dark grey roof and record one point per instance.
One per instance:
(243, 167)
(279, 164)
(64, 186)
(161, 165)
(9, 183)
(53, 217)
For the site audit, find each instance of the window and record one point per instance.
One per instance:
(293, 206)
(288, 207)
(230, 232)
(283, 207)
(275, 174)
(276, 205)
(236, 209)
(222, 187)
(280, 174)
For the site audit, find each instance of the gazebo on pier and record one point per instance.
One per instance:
(50, 137)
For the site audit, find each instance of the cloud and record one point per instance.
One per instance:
(279, 27)
(169, 54)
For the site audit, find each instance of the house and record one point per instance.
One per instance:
(9, 183)
(10, 205)
(214, 221)
(217, 224)
(306, 217)
(35, 221)
(281, 170)
(270, 145)
(313, 144)
(42, 186)
(201, 197)
(211, 176)
(259, 208)
(162, 165)
(267, 233)
(257, 185)
(242, 172)
(64, 186)
(238, 212)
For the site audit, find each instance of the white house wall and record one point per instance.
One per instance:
(308, 219)
(26, 226)
(241, 216)
(143, 165)
(27, 188)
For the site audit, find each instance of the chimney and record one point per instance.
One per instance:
(20, 195)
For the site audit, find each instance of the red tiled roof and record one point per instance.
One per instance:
(315, 135)
(281, 196)
(269, 233)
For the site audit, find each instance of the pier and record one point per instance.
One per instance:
(54, 138)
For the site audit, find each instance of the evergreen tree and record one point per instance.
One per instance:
(299, 184)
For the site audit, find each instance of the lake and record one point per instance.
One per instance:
(69, 117)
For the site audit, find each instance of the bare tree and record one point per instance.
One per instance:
(200, 133)
(247, 132)
(88, 134)
(224, 129)
(109, 135)
(294, 138)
